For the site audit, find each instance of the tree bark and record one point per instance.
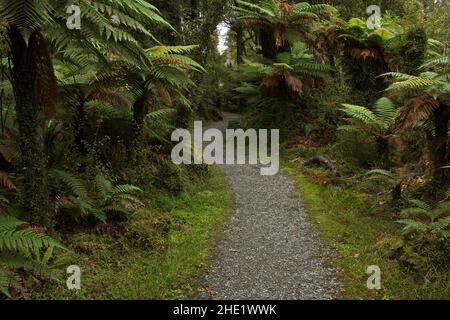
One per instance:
(80, 128)
(35, 200)
(239, 44)
(441, 118)
(140, 110)
(383, 152)
(267, 41)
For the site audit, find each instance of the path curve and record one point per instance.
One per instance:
(269, 250)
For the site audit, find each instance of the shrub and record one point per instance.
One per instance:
(170, 177)
(427, 235)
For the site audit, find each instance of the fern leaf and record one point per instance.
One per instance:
(411, 226)
(360, 113)
(75, 184)
(4, 282)
(381, 172)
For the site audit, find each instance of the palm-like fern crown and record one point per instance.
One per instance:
(292, 68)
(167, 75)
(427, 90)
(382, 118)
(98, 35)
(356, 31)
(286, 23)
(434, 78)
(272, 12)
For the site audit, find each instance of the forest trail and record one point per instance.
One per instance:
(269, 249)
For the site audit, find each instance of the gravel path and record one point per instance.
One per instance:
(270, 250)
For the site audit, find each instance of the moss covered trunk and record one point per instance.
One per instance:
(35, 198)
(80, 128)
(140, 110)
(441, 118)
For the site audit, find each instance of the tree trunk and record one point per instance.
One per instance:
(140, 110)
(80, 128)
(268, 45)
(239, 44)
(441, 118)
(36, 201)
(383, 152)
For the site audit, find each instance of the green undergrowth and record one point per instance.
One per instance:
(363, 233)
(167, 268)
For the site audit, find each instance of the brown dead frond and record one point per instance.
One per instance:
(330, 34)
(164, 95)
(5, 181)
(315, 47)
(110, 96)
(363, 53)
(279, 35)
(272, 81)
(9, 151)
(417, 109)
(293, 83)
(281, 78)
(47, 84)
(30, 228)
(171, 60)
(303, 19)
(252, 22)
(284, 7)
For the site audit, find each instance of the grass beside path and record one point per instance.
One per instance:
(363, 236)
(113, 271)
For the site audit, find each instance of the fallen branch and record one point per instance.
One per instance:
(324, 163)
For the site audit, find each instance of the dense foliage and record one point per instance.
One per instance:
(86, 114)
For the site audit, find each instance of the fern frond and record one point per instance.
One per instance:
(26, 15)
(75, 184)
(381, 172)
(125, 188)
(18, 240)
(421, 204)
(5, 276)
(360, 113)
(5, 181)
(441, 224)
(386, 112)
(412, 226)
(161, 51)
(413, 83)
(104, 186)
(8, 223)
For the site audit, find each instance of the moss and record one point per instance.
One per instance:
(148, 230)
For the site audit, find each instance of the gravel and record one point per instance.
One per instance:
(270, 249)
